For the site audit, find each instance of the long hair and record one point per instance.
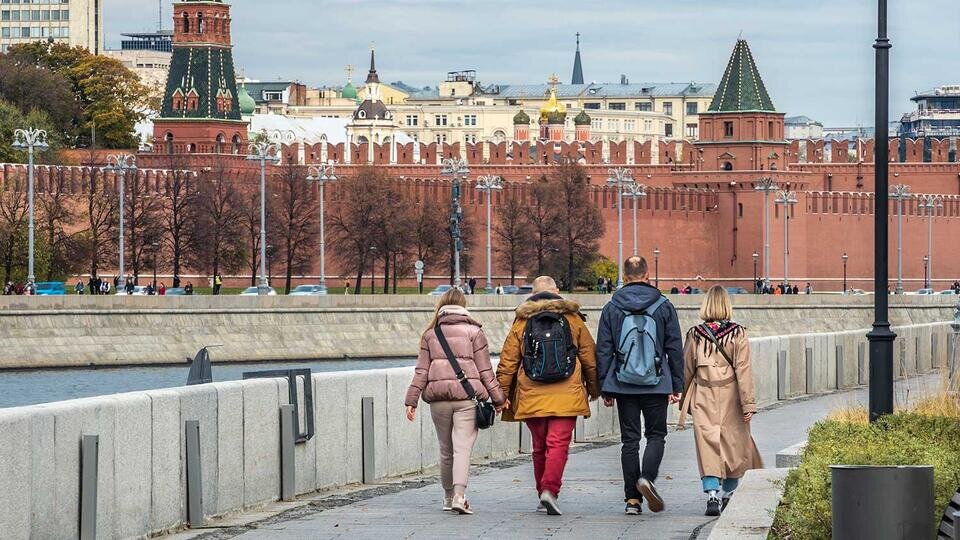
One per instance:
(716, 306)
(453, 297)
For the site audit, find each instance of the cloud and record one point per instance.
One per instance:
(815, 56)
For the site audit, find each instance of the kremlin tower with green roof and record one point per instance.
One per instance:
(201, 110)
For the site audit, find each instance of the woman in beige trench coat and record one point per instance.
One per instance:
(720, 397)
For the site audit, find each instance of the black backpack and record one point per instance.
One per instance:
(549, 354)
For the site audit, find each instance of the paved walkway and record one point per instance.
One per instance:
(505, 501)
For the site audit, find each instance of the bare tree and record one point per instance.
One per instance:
(513, 236)
(13, 227)
(217, 223)
(357, 219)
(142, 223)
(100, 204)
(179, 196)
(578, 221)
(426, 234)
(250, 219)
(57, 215)
(540, 218)
(295, 220)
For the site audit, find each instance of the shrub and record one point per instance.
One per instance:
(914, 438)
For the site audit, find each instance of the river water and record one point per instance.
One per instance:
(19, 388)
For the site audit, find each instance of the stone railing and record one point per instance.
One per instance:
(146, 465)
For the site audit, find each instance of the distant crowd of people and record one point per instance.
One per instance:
(781, 289)
(19, 289)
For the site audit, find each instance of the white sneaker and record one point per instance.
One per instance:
(460, 505)
(549, 501)
(447, 504)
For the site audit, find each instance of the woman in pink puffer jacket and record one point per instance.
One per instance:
(453, 412)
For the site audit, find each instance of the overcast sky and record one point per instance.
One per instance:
(815, 56)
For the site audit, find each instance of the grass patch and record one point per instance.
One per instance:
(927, 434)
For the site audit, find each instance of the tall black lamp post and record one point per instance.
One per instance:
(844, 257)
(881, 337)
(756, 256)
(656, 266)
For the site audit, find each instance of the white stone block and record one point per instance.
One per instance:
(334, 462)
(200, 403)
(44, 478)
(361, 384)
(261, 441)
(167, 493)
(227, 492)
(132, 459)
(403, 437)
(15, 472)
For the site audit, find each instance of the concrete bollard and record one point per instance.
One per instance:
(783, 374)
(89, 463)
(368, 441)
(191, 430)
(288, 463)
(811, 382)
(901, 513)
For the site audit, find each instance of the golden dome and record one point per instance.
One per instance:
(553, 111)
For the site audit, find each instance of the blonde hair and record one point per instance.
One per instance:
(716, 306)
(453, 297)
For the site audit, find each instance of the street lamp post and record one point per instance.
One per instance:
(489, 183)
(32, 140)
(845, 257)
(120, 164)
(881, 336)
(264, 152)
(930, 203)
(767, 186)
(656, 266)
(620, 177)
(787, 199)
(322, 175)
(926, 271)
(154, 247)
(457, 170)
(755, 257)
(899, 193)
(637, 192)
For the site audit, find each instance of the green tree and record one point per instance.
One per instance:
(11, 119)
(30, 87)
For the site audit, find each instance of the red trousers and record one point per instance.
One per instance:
(551, 443)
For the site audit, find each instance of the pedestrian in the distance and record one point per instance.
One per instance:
(79, 287)
(217, 283)
(162, 290)
(188, 289)
(473, 284)
(548, 396)
(642, 376)
(808, 289)
(436, 381)
(720, 397)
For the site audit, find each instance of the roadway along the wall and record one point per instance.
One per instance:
(142, 468)
(75, 331)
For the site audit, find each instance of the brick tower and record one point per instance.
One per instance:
(201, 111)
(742, 130)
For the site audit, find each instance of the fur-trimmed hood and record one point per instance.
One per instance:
(557, 305)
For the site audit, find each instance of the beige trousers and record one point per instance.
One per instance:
(457, 432)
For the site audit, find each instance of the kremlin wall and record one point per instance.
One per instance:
(702, 210)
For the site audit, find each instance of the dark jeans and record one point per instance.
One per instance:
(653, 409)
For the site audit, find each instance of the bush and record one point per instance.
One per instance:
(914, 438)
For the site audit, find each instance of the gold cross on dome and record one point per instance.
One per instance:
(553, 80)
(348, 69)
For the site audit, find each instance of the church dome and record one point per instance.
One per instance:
(247, 105)
(553, 112)
(582, 119)
(521, 118)
(349, 91)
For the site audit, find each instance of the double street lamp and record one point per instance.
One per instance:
(637, 192)
(489, 183)
(32, 140)
(766, 186)
(120, 165)
(900, 193)
(322, 175)
(787, 198)
(930, 203)
(457, 170)
(620, 177)
(264, 152)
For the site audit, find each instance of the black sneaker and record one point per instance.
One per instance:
(649, 491)
(724, 502)
(713, 507)
(633, 507)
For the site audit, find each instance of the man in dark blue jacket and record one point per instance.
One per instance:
(634, 402)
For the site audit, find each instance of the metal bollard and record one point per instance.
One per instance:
(934, 350)
(369, 442)
(862, 364)
(288, 464)
(191, 430)
(881, 503)
(526, 439)
(783, 375)
(811, 381)
(89, 463)
(916, 357)
(840, 368)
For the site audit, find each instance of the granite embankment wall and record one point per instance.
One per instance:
(142, 462)
(125, 330)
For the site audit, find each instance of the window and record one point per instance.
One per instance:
(728, 129)
(440, 120)
(168, 143)
(630, 125)
(413, 120)
(643, 106)
(469, 119)
(691, 130)
(617, 106)
(441, 139)
(596, 124)
(613, 124)
(272, 96)
(592, 106)
(770, 134)
(692, 108)
(471, 139)
(648, 126)
(668, 130)
(668, 108)
(236, 144)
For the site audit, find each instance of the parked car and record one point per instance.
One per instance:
(254, 291)
(440, 290)
(176, 291)
(50, 288)
(511, 289)
(736, 290)
(138, 290)
(525, 289)
(948, 291)
(308, 290)
(926, 292)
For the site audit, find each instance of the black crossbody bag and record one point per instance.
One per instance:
(486, 413)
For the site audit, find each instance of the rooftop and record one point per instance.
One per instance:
(586, 91)
(741, 88)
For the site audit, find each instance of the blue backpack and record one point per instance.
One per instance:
(638, 356)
